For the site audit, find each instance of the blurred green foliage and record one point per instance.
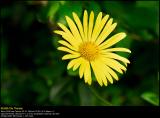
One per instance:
(32, 71)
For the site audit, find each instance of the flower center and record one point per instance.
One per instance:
(89, 51)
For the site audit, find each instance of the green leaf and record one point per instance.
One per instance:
(151, 98)
(67, 8)
(54, 6)
(147, 4)
(41, 89)
(92, 6)
(51, 72)
(144, 16)
(86, 97)
(114, 9)
(146, 35)
(73, 73)
(48, 12)
(57, 88)
(93, 77)
(138, 15)
(100, 98)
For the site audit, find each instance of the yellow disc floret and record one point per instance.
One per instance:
(89, 51)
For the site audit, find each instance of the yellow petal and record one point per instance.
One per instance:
(118, 65)
(72, 63)
(79, 24)
(91, 22)
(76, 66)
(64, 28)
(78, 63)
(64, 43)
(114, 75)
(125, 64)
(73, 29)
(96, 27)
(82, 68)
(59, 32)
(117, 57)
(109, 27)
(106, 34)
(108, 76)
(66, 50)
(101, 26)
(114, 64)
(101, 67)
(71, 40)
(113, 40)
(87, 73)
(116, 50)
(70, 56)
(96, 72)
(67, 35)
(103, 71)
(85, 25)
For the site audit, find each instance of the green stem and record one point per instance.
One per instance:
(100, 98)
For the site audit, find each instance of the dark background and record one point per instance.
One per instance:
(32, 71)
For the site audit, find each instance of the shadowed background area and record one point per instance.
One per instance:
(32, 71)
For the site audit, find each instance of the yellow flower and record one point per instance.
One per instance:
(89, 51)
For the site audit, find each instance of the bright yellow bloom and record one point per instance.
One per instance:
(88, 50)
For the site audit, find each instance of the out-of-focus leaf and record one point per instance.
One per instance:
(3, 51)
(55, 41)
(151, 98)
(93, 6)
(157, 29)
(143, 17)
(62, 2)
(54, 6)
(4, 96)
(147, 4)
(100, 98)
(39, 2)
(48, 12)
(114, 9)
(51, 72)
(73, 73)
(94, 78)
(46, 72)
(67, 8)
(112, 92)
(27, 20)
(146, 35)
(56, 89)
(86, 97)
(41, 89)
(5, 12)
(136, 18)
